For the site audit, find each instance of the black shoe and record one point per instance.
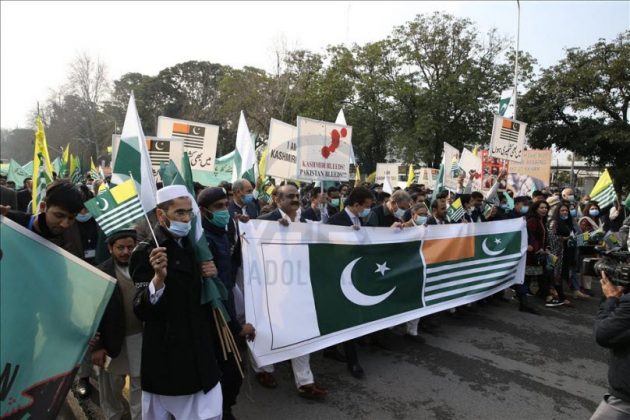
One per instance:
(334, 354)
(528, 309)
(84, 389)
(356, 370)
(415, 338)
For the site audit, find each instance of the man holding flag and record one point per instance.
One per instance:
(180, 375)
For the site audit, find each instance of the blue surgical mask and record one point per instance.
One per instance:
(248, 198)
(179, 229)
(84, 217)
(571, 198)
(421, 220)
(524, 209)
(593, 212)
(334, 202)
(398, 214)
(220, 218)
(364, 213)
(564, 217)
(573, 212)
(504, 206)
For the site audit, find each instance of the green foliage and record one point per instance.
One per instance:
(581, 105)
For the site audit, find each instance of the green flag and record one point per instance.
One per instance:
(627, 202)
(51, 303)
(17, 173)
(117, 208)
(439, 183)
(375, 282)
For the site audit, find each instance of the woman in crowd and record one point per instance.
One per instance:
(589, 222)
(563, 229)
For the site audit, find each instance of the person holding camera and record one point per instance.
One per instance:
(612, 330)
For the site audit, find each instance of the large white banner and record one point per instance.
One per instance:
(311, 286)
(161, 150)
(200, 140)
(281, 160)
(451, 163)
(323, 150)
(508, 139)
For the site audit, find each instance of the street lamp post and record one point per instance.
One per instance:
(518, 32)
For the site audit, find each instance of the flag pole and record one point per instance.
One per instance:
(146, 217)
(518, 32)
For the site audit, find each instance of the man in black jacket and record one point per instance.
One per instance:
(391, 211)
(25, 195)
(180, 375)
(358, 207)
(612, 330)
(318, 209)
(213, 205)
(120, 334)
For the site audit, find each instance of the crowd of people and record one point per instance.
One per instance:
(158, 334)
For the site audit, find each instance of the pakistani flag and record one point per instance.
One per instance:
(604, 192)
(506, 104)
(341, 120)
(132, 158)
(360, 284)
(439, 183)
(465, 266)
(455, 211)
(117, 208)
(313, 288)
(245, 153)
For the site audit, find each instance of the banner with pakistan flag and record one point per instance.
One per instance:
(312, 286)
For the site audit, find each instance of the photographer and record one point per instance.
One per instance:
(612, 330)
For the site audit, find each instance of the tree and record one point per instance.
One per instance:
(581, 105)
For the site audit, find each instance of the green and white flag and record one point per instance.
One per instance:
(51, 303)
(455, 211)
(132, 157)
(245, 156)
(312, 286)
(17, 173)
(506, 104)
(117, 208)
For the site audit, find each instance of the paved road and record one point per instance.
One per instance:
(496, 364)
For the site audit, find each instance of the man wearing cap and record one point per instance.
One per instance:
(119, 334)
(213, 204)
(180, 375)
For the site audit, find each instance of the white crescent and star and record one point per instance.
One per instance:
(106, 206)
(194, 130)
(382, 268)
(157, 144)
(353, 294)
(485, 248)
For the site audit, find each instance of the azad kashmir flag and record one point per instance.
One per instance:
(312, 286)
(132, 158)
(42, 169)
(48, 313)
(604, 192)
(117, 208)
(455, 211)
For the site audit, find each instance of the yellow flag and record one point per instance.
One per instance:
(371, 177)
(357, 176)
(475, 150)
(66, 154)
(411, 176)
(262, 163)
(41, 163)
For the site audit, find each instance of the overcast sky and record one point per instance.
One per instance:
(39, 40)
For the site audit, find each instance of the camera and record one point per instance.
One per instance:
(616, 265)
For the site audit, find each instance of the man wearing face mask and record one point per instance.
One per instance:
(213, 203)
(180, 374)
(243, 201)
(568, 195)
(334, 201)
(390, 212)
(358, 207)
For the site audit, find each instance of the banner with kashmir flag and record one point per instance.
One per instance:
(42, 169)
(50, 305)
(312, 286)
(132, 158)
(117, 208)
(604, 191)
